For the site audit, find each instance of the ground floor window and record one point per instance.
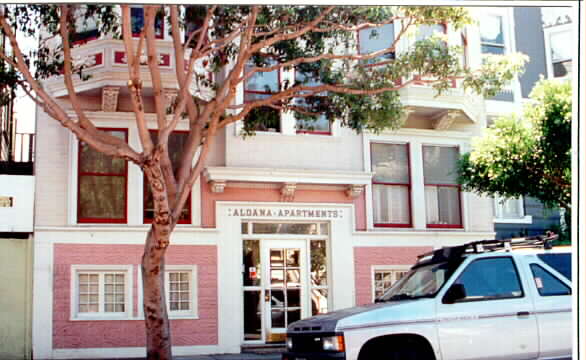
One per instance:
(180, 290)
(100, 293)
(384, 277)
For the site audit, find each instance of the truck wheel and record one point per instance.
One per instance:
(407, 354)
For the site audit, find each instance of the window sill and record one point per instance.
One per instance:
(101, 318)
(528, 219)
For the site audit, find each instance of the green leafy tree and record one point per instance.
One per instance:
(527, 155)
(235, 42)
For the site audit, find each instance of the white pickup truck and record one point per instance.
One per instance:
(482, 300)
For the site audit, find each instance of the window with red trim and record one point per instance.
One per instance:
(260, 86)
(137, 22)
(177, 141)
(321, 124)
(375, 39)
(391, 184)
(442, 192)
(101, 184)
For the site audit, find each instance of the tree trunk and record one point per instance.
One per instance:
(158, 332)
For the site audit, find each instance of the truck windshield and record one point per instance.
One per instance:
(421, 282)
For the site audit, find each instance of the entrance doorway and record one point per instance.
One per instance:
(285, 286)
(285, 277)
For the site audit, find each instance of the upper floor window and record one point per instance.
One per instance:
(425, 31)
(492, 39)
(86, 27)
(260, 86)
(442, 192)
(137, 22)
(375, 39)
(177, 141)
(560, 52)
(391, 185)
(321, 124)
(101, 185)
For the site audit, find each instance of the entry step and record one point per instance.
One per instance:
(275, 348)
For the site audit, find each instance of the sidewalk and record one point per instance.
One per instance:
(243, 356)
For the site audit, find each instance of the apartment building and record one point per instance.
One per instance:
(551, 50)
(295, 221)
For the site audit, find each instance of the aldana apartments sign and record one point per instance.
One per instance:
(286, 213)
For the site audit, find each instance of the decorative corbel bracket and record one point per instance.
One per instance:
(288, 191)
(444, 120)
(354, 191)
(110, 98)
(217, 186)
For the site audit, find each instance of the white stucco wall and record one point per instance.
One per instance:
(21, 190)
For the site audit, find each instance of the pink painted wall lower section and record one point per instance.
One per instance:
(366, 257)
(208, 200)
(131, 333)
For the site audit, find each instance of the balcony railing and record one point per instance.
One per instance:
(18, 156)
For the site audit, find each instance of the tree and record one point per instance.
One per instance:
(527, 155)
(236, 43)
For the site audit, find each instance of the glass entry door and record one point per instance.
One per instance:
(284, 286)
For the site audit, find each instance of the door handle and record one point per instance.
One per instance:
(523, 314)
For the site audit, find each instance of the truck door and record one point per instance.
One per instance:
(492, 318)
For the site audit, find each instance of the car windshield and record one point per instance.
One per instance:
(421, 282)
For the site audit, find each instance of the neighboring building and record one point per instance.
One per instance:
(272, 232)
(16, 229)
(550, 46)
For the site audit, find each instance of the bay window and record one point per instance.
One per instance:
(101, 184)
(177, 141)
(391, 185)
(442, 192)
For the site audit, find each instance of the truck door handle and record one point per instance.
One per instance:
(523, 314)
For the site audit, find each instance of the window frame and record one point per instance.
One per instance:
(386, 268)
(101, 270)
(91, 220)
(408, 185)
(459, 187)
(193, 312)
(146, 220)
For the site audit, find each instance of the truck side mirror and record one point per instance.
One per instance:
(455, 292)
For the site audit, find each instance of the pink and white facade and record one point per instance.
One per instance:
(281, 226)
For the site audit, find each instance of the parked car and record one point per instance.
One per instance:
(483, 300)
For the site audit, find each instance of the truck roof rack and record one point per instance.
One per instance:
(451, 253)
